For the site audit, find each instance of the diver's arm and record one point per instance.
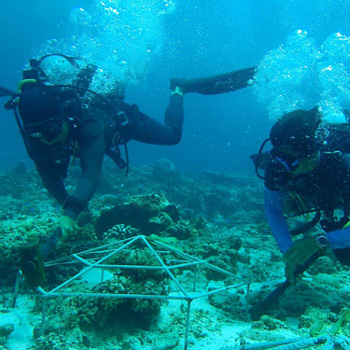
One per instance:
(92, 146)
(276, 219)
(51, 171)
(339, 239)
(217, 84)
(52, 180)
(339, 242)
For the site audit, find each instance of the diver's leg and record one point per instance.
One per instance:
(217, 84)
(148, 130)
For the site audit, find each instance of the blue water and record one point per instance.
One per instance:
(185, 38)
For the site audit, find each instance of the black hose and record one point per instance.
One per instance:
(307, 226)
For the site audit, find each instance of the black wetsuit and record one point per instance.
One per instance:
(90, 139)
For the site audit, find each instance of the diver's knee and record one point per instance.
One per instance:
(176, 140)
(174, 137)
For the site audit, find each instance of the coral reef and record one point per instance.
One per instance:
(215, 217)
(5, 330)
(98, 312)
(149, 214)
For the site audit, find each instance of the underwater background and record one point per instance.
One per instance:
(200, 197)
(183, 38)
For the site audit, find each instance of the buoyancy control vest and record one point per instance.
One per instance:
(68, 101)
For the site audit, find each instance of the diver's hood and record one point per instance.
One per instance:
(39, 103)
(297, 130)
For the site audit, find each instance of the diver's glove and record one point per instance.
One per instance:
(68, 225)
(182, 86)
(298, 253)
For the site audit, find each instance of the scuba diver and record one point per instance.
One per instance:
(309, 162)
(307, 170)
(60, 122)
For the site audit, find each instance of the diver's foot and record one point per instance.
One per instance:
(182, 86)
(178, 91)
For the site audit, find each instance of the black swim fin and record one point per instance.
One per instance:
(261, 308)
(218, 84)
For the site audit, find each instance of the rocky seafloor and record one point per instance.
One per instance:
(214, 217)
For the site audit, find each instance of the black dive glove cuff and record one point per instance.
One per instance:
(73, 207)
(333, 225)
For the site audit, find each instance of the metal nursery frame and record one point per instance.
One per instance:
(108, 250)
